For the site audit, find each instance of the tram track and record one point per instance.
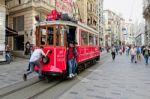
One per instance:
(33, 89)
(17, 86)
(30, 91)
(43, 91)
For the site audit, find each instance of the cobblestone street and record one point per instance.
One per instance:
(119, 79)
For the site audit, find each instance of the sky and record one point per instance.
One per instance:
(129, 9)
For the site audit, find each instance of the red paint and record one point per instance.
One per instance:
(57, 63)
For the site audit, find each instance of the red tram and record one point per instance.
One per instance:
(55, 35)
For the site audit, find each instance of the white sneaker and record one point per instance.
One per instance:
(70, 75)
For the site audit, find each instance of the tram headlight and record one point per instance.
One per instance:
(45, 60)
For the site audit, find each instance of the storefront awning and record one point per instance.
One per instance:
(11, 32)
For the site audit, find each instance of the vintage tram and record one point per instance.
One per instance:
(55, 36)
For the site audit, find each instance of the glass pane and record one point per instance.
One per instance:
(60, 34)
(43, 35)
(84, 38)
(91, 39)
(50, 35)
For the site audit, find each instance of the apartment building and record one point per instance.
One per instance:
(21, 17)
(129, 36)
(2, 30)
(87, 10)
(100, 21)
(146, 14)
(112, 28)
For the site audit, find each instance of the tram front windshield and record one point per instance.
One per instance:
(52, 35)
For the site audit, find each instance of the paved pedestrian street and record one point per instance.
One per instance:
(119, 79)
(12, 73)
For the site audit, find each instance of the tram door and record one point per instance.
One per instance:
(60, 47)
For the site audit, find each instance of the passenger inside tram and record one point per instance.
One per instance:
(50, 36)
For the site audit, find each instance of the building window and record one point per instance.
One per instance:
(18, 23)
(19, 43)
(90, 7)
(19, 1)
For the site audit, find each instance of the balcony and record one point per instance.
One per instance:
(41, 5)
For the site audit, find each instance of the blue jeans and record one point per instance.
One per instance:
(32, 65)
(146, 58)
(70, 63)
(74, 65)
(8, 57)
(132, 58)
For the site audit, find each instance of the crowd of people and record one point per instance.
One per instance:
(137, 53)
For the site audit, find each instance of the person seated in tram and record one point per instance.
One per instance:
(70, 58)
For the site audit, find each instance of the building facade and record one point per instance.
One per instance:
(64, 6)
(129, 33)
(2, 30)
(21, 17)
(100, 21)
(146, 14)
(112, 28)
(139, 36)
(87, 10)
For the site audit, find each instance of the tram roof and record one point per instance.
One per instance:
(81, 25)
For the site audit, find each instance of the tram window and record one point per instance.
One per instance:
(43, 35)
(84, 38)
(91, 39)
(50, 35)
(60, 32)
(62, 35)
(96, 41)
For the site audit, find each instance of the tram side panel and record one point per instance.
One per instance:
(57, 61)
(86, 53)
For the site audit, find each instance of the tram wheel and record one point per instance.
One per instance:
(94, 61)
(47, 79)
(41, 77)
(64, 75)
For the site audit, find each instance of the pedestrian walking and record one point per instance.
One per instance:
(117, 48)
(120, 51)
(133, 54)
(138, 49)
(31, 51)
(146, 52)
(35, 61)
(127, 50)
(113, 49)
(123, 49)
(8, 54)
